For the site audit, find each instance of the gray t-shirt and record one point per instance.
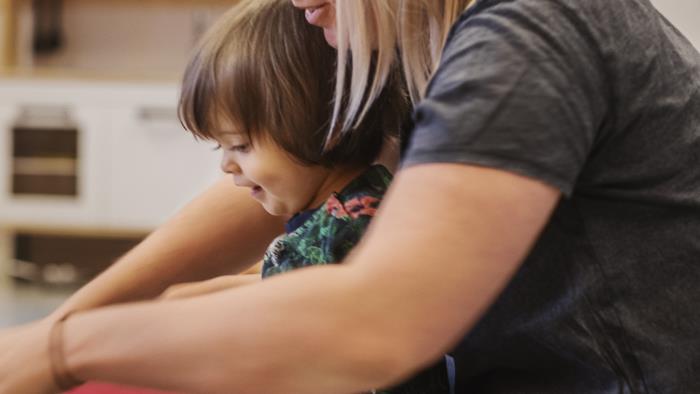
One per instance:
(600, 99)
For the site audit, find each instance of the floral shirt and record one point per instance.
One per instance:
(326, 234)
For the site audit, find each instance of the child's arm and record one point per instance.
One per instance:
(196, 244)
(191, 289)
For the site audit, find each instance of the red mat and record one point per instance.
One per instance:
(105, 388)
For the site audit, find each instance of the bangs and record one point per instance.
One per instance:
(262, 69)
(223, 82)
(219, 89)
(196, 109)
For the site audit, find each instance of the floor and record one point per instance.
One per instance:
(22, 302)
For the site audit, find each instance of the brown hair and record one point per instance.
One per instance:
(273, 75)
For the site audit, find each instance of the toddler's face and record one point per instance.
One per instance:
(283, 186)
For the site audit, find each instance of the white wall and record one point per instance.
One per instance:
(684, 14)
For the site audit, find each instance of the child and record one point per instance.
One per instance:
(261, 85)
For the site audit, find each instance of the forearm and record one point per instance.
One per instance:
(198, 243)
(176, 345)
(408, 292)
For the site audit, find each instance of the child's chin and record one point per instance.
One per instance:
(275, 211)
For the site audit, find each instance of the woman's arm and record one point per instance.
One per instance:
(446, 241)
(223, 231)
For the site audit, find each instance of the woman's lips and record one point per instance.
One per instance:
(322, 16)
(315, 15)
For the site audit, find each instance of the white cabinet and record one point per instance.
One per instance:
(136, 165)
(55, 211)
(155, 165)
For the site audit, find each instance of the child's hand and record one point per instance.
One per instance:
(192, 289)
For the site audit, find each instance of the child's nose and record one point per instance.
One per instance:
(229, 166)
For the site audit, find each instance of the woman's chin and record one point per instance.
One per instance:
(330, 36)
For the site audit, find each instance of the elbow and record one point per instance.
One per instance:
(383, 364)
(383, 358)
(384, 344)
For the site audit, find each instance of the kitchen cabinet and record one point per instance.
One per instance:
(155, 165)
(35, 209)
(92, 157)
(135, 164)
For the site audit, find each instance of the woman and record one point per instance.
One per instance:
(552, 174)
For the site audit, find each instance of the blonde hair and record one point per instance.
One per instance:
(370, 30)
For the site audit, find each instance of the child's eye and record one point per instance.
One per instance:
(240, 148)
(217, 147)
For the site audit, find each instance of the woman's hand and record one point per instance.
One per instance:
(192, 289)
(24, 360)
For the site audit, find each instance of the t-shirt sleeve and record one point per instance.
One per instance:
(520, 87)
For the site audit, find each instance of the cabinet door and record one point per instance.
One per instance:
(35, 209)
(155, 166)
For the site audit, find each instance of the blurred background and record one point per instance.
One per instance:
(92, 156)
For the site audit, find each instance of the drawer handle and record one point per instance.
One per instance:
(155, 114)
